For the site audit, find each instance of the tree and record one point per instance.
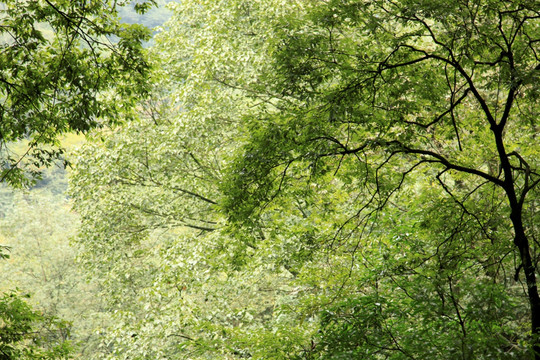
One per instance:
(321, 147)
(386, 90)
(177, 282)
(67, 65)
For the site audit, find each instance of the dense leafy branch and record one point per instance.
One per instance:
(60, 67)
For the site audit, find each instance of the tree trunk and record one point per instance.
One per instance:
(520, 238)
(522, 243)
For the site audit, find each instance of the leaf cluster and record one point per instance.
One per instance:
(66, 67)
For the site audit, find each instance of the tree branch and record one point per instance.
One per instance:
(442, 160)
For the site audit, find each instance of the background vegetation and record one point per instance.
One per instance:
(293, 180)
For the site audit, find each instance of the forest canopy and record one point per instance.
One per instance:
(338, 179)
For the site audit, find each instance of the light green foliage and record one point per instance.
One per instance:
(174, 279)
(42, 262)
(149, 194)
(320, 180)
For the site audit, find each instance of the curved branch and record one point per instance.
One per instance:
(438, 158)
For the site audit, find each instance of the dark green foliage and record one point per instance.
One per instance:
(420, 110)
(28, 334)
(62, 72)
